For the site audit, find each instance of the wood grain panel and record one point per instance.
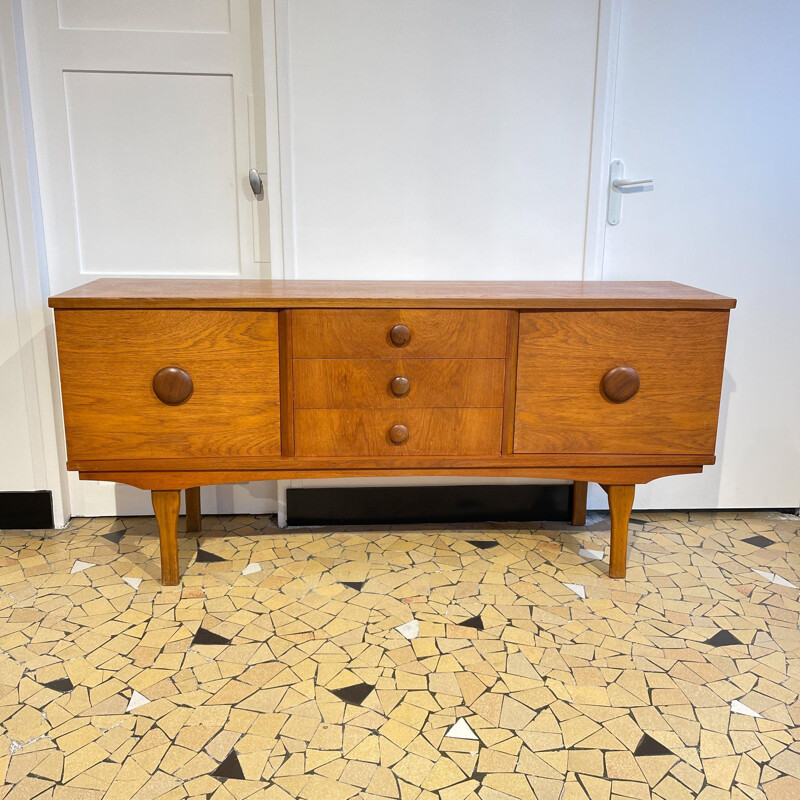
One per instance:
(365, 432)
(364, 333)
(287, 382)
(365, 383)
(564, 356)
(475, 462)
(108, 359)
(180, 480)
(510, 385)
(203, 293)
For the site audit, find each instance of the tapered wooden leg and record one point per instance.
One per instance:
(579, 489)
(620, 502)
(193, 520)
(167, 505)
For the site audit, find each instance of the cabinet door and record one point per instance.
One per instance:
(108, 360)
(564, 356)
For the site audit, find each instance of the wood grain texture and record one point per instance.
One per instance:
(607, 475)
(563, 356)
(366, 383)
(107, 361)
(579, 493)
(286, 382)
(620, 503)
(365, 333)
(524, 460)
(194, 518)
(166, 505)
(203, 293)
(510, 382)
(365, 432)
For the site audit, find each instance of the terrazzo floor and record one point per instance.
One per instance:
(446, 663)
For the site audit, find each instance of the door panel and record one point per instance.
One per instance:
(561, 363)
(706, 105)
(150, 198)
(176, 16)
(111, 409)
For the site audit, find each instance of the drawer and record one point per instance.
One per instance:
(564, 358)
(367, 432)
(388, 333)
(398, 383)
(108, 361)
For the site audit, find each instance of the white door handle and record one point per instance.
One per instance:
(617, 186)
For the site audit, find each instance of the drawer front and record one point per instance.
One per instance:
(369, 432)
(389, 333)
(563, 361)
(108, 360)
(398, 383)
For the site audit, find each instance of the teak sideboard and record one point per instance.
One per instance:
(175, 384)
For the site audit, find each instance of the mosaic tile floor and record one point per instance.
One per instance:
(487, 663)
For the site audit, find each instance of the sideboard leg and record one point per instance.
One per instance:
(620, 502)
(579, 489)
(167, 505)
(193, 519)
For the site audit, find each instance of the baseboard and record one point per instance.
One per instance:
(26, 510)
(367, 505)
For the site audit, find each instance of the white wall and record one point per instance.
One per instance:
(438, 140)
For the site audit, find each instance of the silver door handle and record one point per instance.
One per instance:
(256, 184)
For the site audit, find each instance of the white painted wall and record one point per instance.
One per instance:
(438, 140)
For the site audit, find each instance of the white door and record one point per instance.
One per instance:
(147, 118)
(707, 105)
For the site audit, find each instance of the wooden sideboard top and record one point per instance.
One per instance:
(259, 294)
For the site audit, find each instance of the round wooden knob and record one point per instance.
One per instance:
(172, 386)
(399, 386)
(620, 384)
(398, 434)
(400, 335)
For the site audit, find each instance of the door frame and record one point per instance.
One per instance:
(605, 82)
(29, 267)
